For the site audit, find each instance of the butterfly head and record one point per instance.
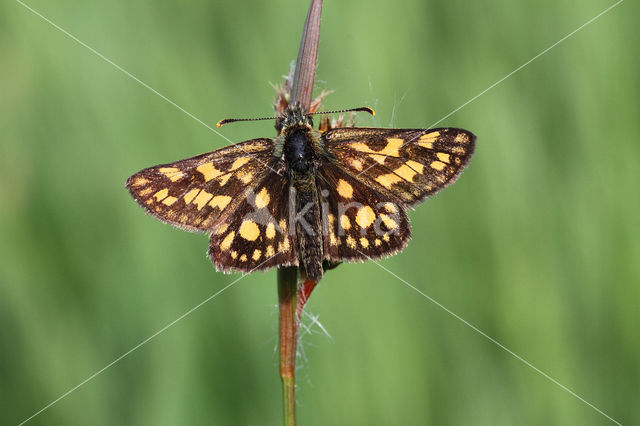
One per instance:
(293, 118)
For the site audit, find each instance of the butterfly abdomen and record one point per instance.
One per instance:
(308, 227)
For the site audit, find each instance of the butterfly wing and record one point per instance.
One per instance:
(409, 164)
(198, 193)
(359, 222)
(237, 194)
(256, 236)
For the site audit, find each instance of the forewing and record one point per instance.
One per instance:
(198, 193)
(359, 222)
(256, 234)
(409, 164)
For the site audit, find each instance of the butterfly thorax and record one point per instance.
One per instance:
(298, 152)
(297, 138)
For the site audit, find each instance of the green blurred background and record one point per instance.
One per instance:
(537, 245)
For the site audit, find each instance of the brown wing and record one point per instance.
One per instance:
(196, 194)
(238, 194)
(256, 234)
(359, 222)
(409, 164)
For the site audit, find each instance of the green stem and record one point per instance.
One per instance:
(287, 302)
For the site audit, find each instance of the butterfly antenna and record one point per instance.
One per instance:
(233, 120)
(363, 109)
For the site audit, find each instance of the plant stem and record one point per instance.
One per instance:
(287, 291)
(305, 73)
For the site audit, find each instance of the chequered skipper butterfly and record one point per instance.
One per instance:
(306, 196)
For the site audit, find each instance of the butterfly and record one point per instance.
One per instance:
(305, 197)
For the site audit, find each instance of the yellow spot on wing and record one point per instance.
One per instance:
(244, 177)
(391, 149)
(172, 173)
(386, 237)
(239, 163)
(438, 165)
(284, 245)
(390, 207)
(161, 194)
(428, 139)
(234, 254)
(393, 145)
(461, 138)
(208, 171)
(243, 258)
(145, 192)
(364, 242)
(365, 216)
(269, 251)
(256, 254)
(189, 196)
(249, 230)
(262, 198)
(444, 157)
(405, 172)
(345, 189)
(271, 231)
(351, 242)
(356, 164)
(202, 199)
(169, 200)
(388, 179)
(389, 223)
(220, 201)
(377, 242)
(283, 225)
(139, 181)
(418, 167)
(345, 222)
(223, 179)
(226, 243)
(332, 238)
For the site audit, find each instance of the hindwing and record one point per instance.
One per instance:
(256, 235)
(359, 222)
